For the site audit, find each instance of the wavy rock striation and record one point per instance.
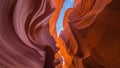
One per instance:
(25, 39)
(28, 36)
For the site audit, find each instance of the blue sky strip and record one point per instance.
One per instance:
(67, 4)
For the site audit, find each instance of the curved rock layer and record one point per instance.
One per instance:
(25, 40)
(90, 38)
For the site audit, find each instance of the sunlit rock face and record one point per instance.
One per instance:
(76, 20)
(89, 39)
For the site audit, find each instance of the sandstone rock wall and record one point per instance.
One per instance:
(90, 38)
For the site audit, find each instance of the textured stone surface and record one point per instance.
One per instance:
(25, 40)
(90, 38)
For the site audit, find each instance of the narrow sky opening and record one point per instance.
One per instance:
(67, 4)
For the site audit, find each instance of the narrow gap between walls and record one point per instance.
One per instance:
(59, 26)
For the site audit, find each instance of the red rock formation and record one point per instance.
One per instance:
(25, 39)
(90, 38)
(77, 19)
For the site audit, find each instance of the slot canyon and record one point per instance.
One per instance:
(59, 33)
